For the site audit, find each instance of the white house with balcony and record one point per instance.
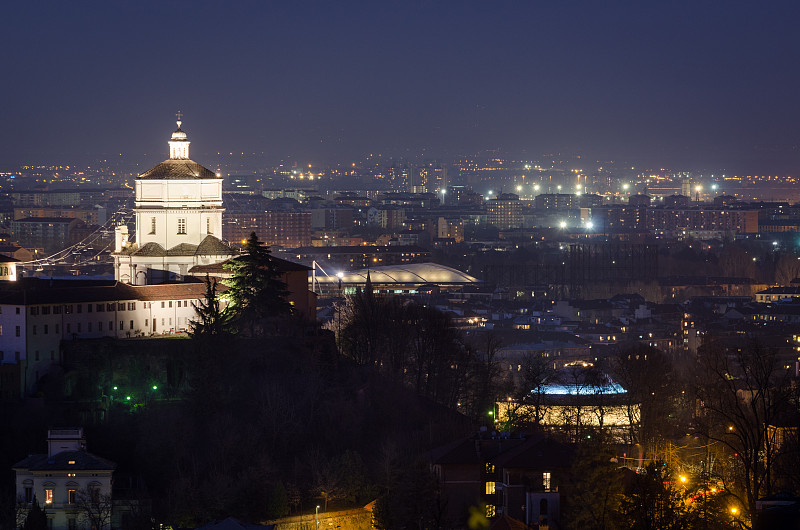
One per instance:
(59, 479)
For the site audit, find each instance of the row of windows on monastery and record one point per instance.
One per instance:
(99, 308)
(166, 323)
(181, 321)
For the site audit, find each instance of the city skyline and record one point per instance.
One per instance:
(706, 87)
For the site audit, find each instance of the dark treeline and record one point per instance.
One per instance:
(417, 345)
(261, 415)
(266, 427)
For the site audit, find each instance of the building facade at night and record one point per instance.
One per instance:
(178, 213)
(60, 479)
(36, 315)
(504, 212)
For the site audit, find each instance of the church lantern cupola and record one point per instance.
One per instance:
(179, 143)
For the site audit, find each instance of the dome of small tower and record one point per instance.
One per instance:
(179, 134)
(179, 143)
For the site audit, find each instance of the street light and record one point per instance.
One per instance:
(316, 516)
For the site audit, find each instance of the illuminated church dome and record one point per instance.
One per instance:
(178, 166)
(178, 211)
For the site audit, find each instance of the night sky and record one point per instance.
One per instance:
(685, 85)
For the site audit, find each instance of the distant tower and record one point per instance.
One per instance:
(178, 220)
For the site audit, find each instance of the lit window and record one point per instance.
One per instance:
(490, 510)
(490, 488)
(489, 467)
(48, 496)
(546, 481)
(71, 496)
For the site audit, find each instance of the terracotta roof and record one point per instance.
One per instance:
(286, 266)
(177, 170)
(168, 291)
(281, 265)
(212, 269)
(37, 291)
(61, 462)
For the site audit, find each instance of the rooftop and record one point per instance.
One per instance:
(410, 273)
(178, 169)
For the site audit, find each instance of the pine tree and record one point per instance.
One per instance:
(36, 519)
(255, 291)
(210, 321)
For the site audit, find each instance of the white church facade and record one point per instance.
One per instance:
(178, 216)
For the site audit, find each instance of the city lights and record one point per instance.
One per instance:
(576, 252)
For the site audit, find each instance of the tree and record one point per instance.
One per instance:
(210, 321)
(647, 376)
(95, 507)
(277, 504)
(406, 341)
(343, 478)
(255, 291)
(529, 404)
(486, 375)
(595, 485)
(654, 502)
(414, 502)
(36, 518)
(787, 268)
(743, 392)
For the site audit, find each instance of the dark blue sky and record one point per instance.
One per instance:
(690, 84)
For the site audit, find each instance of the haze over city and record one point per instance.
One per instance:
(692, 86)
